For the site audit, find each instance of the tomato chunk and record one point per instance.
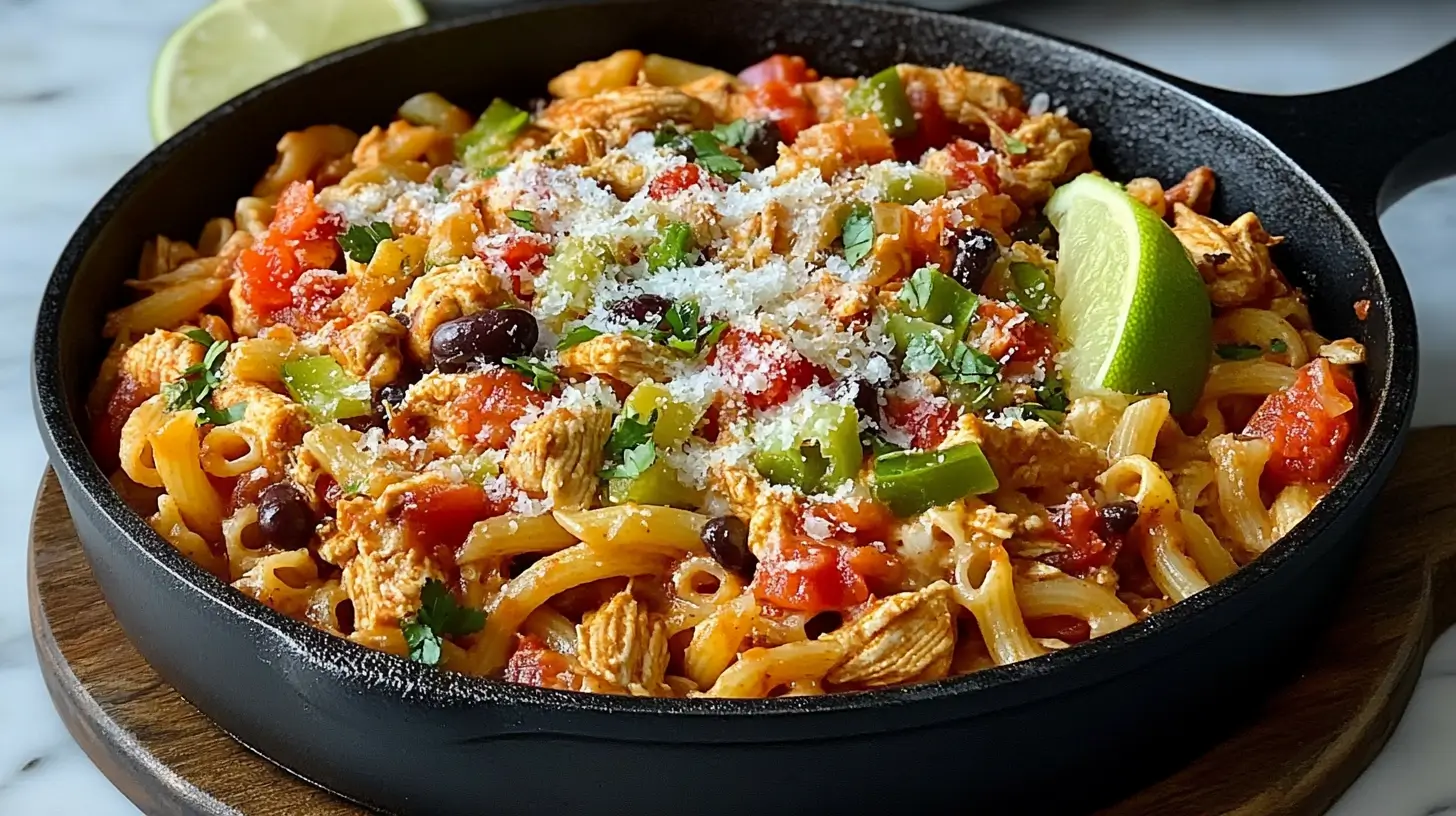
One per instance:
(928, 421)
(862, 519)
(971, 163)
(297, 217)
(301, 237)
(785, 105)
(1309, 425)
(532, 664)
(125, 396)
(1088, 544)
(932, 128)
(810, 577)
(268, 270)
(766, 370)
(437, 518)
(494, 399)
(1010, 335)
(779, 68)
(670, 182)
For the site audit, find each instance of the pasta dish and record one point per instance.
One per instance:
(685, 383)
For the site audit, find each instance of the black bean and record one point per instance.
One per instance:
(1119, 516)
(388, 398)
(975, 252)
(822, 624)
(866, 399)
(483, 337)
(284, 517)
(646, 310)
(726, 538)
(764, 138)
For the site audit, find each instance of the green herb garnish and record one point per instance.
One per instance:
(439, 615)
(859, 233)
(673, 248)
(630, 449)
(543, 379)
(361, 241)
(1278, 346)
(710, 155)
(736, 133)
(193, 392)
(1239, 351)
(576, 336)
(525, 219)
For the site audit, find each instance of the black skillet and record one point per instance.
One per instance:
(1056, 734)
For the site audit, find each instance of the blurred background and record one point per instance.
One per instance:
(73, 117)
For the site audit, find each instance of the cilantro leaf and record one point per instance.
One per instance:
(668, 135)
(439, 615)
(859, 234)
(682, 316)
(1031, 411)
(543, 378)
(361, 241)
(1053, 395)
(709, 335)
(922, 354)
(576, 336)
(193, 391)
(736, 133)
(710, 155)
(200, 337)
(915, 295)
(673, 247)
(630, 450)
(525, 219)
(1278, 346)
(968, 366)
(1239, 351)
(1014, 146)
(635, 462)
(686, 331)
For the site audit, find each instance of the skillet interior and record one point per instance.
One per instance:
(268, 679)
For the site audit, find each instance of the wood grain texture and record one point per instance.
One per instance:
(1312, 739)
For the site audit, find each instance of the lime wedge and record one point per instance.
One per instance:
(1134, 310)
(232, 45)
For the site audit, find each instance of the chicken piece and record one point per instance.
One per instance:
(759, 237)
(1195, 190)
(625, 644)
(623, 111)
(623, 357)
(904, 638)
(369, 348)
(158, 358)
(618, 173)
(770, 511)
(831, 147)
(575, 148)
(383, 573)
(435, 410)
(1233, 260)
(1030, 453)
(1056, 151)
(1150, 192)
(967, 97)
(445, 293)
(559, 454)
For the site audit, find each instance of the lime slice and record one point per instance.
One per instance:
(1134, 310)
(232, 45)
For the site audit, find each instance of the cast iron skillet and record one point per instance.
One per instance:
(1056, 734)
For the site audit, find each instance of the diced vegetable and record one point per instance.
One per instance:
(904, 329)
(1031, 288)
(329, 392)
(779, 68)
(431, 109)
(675, 420)
(883, 96)
(483, 146)
(907, 185)
(658, 485)
(764, 369)
(817, 457)
(936, 298)
(1309, 425)
(911, 482)
(573, 269)
(673, 247)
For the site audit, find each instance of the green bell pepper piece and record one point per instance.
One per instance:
(908, 185)
(1031, 287)
(883, 95)
(573, 269)
(329, 392)
(658, 484)
(483, 146)
(817, 457)
(936, 298)
(675, 420)
(912, 482)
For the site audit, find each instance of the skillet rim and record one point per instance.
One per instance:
(69, 453)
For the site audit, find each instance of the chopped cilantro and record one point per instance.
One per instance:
(1014, 146)
(915, 294)
(439, 615)
(361, 241)
(543, 379)
(923, 354)
(200, 337)
(710, 155)
(968, 366)
(525, 219)
(1052, 394)
(193, 392)
(736, 133)
(1239, 351)
(1031, 411)
(686, 330)
(859, 234)
(576, 336)
(630, 450)
(668, 135)
(673, 247)
(1278, 346)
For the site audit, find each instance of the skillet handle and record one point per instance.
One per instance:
(1368, 144)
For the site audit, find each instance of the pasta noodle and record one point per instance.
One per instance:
(638, 392)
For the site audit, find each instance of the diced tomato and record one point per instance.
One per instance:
(928, 421)
(779, 68)
(969, 162)
(312, 295)
(810, 577)
(932, 128)
(862, 520)
(670, 182)
(485, 410)
(532, 664)
(1061, 627)
(297, 217)
(437, 518)
(1308, 425)
(1088, 544)
(766, 370)
(1010, 336)
(125, 396)
(269, 271)
(525, 251)
(881, 570)
(785, 105)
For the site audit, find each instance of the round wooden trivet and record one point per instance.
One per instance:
(1312, 739)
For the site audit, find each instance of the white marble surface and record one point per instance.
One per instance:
(73, 77)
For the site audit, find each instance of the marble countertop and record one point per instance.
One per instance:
(73, 80)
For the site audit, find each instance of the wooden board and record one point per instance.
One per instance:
(1311, 740)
